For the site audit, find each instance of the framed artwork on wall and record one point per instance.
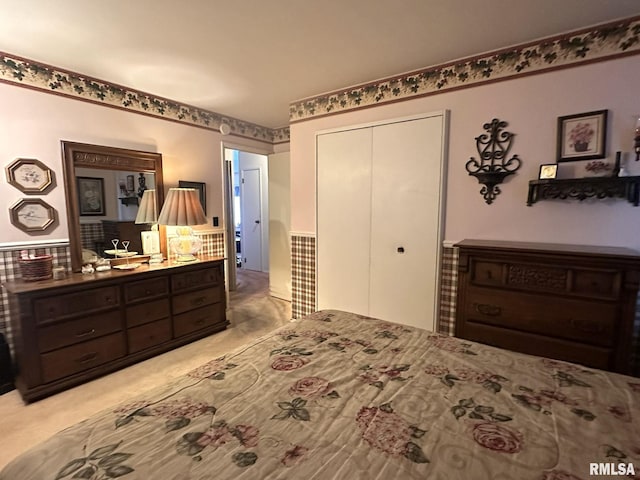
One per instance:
(582, 136)
(30, 176)
(200, 187)
(32, 215)
(91, 196)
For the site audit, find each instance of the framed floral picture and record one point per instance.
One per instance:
(582, 136)
(30, 176)
(91, 196)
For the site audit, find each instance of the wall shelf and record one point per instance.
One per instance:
(627, 188)
(129, 200)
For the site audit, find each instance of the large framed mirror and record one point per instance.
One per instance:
(110, 174)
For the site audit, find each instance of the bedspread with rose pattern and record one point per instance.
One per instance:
(342, 396)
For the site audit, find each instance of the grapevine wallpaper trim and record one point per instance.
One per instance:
(599, 43)
(27, 73)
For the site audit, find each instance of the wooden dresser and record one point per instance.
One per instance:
(568, 302)
(68, 331)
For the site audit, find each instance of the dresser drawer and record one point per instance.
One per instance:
(189, 301)
(207, 277)
(519, 275)
(147, 312)
(63, 306)
(591, 356)
(83, 356)
(198, 319)
(597, 283)
(146, 289)
(149, 335)
(572, 319)
(75, 331)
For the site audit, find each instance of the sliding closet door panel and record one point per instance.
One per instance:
(405, 238)
(343, 220)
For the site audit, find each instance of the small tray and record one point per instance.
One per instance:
(127, 266)
(121, 252)
(123, 260)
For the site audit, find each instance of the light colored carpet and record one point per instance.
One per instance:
(252, 313)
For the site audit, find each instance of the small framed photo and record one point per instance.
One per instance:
(30, 176)
(202, 192)
(91, 196)
(582, 136)
(548, 170)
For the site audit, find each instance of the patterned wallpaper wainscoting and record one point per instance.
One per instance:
(303, 280)
(92, 236)
(303, 275)
(635, 345)
(448, 291)
(10, 270)
(212, 244)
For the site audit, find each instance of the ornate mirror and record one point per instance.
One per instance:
(86, 166)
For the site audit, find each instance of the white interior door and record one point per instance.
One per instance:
(251, 230)
(343, 220)
(405, 236)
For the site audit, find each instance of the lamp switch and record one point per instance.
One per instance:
(215, 221)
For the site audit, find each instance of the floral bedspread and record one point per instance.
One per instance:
(341, 396)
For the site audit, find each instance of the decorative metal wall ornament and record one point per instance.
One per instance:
(493, 166)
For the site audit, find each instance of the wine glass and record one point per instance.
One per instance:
(125, 244)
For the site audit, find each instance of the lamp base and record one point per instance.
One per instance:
(185, 245)
(186, 258)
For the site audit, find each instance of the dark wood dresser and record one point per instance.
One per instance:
(569, 302)
(68, 331)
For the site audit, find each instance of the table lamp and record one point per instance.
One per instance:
(148, 213)
(182, 209)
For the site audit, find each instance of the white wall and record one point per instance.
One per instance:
(531, 106)
(279, 226)
(33, 124)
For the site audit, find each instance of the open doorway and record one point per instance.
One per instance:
(247, 230)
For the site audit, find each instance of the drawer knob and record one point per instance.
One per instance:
(487, 309)
(86, 333)
(89, 357)
(198, 301)
(586, 326)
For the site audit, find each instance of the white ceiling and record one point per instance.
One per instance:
(250, 58)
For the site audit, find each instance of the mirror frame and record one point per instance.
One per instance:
(106, 158)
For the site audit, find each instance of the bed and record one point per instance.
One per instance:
(342, 396)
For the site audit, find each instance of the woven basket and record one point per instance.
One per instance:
(38, 268)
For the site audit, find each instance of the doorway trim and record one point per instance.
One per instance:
(227, 200)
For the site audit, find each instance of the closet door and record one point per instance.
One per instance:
(343, 220)
(406, 208)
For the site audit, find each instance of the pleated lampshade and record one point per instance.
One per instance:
(182, 207)
(148, 209)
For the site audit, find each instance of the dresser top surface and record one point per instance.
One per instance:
(74, 279)
(550, 248)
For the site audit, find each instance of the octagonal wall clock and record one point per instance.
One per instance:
(30, 176)
(32, 215)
